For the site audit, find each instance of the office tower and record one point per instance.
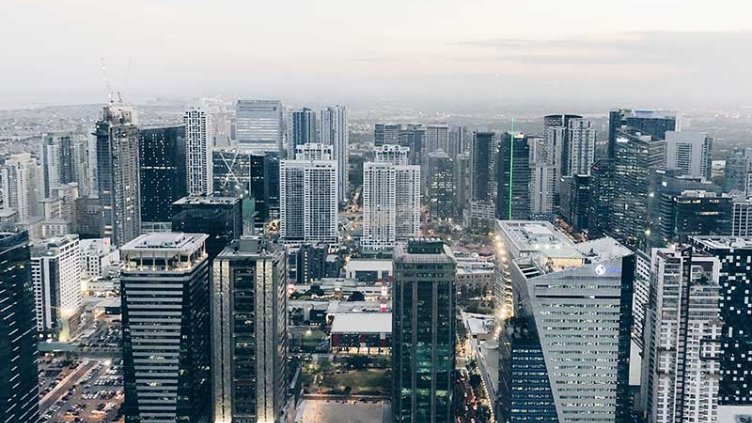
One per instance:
(162, 172)
(252, 176)
(249, 332)
(309, 262)
(56, 273)
(682, 337)
(741, 217)
(414, 137)
(565, 336)
(648, 122)
(440, 185)
(117, 145)
(165, 308)
(556, 131)
(735, 278)
(581, 155)
(90, 217)
(304, 128)
(259, 125)
(199, 141)
(22, 185)
(513, 199)
(308, 196)
(682, 206)
(541, 178)
(19, 392)
(437, 138)
(335, 132)
(423, 332)
(462, 182)
(221, 218)
(386, 134)
(637, 157)
(602, 197)
(64, 160)
(483, 166)
(575, 201)
(458, 141)
(391, 199)
(738, 171)
(689, 153)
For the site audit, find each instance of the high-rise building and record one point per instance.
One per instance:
(254, 177)
(22, 185)
(423, 332)
(219, 217)
(162, 172)
(689, 153)
(413, 137)
(437, 138)
(741, 217)
(556, 131)
(542, 178)
(249, 332)
(575, 201)
(386, 134)
(335, 132)
(735, 279)
(304, 129)
(565, 336)
(601, 197)
(440, 192)
(739, 171)
(459, 142)
(307, 263)
(581, 155)
(259, 125)
(637, 157)
(682, 346)
(391, 198)
(461, 182)
(308, 196)
(117, 145)
(199, 141)
(513, 199)
(648, 122)
(56, 272)
(165, 308)
(19, 390)
(483, 166)
(64, 160)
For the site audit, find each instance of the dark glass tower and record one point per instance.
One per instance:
(440, 184)
(166, 350)
(303, 127)
(482, 166)
(19, 392)
(513, 199)
(219, 217)
(162, 170)
(423, 332)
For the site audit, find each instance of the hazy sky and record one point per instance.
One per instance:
(671, 53)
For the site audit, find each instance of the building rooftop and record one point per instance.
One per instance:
(206, 200)
(362, 323)
(724, 242)
(161, 243)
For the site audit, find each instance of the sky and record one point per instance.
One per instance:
(668, 53)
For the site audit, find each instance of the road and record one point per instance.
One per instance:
(61, 388)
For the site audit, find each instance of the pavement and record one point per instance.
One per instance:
(328, 411)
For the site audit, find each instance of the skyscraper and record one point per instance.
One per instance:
(541, 179)
(437, 138)
(735, 279)
(413, 137)
(259, 125)
(249, 332)
(565, 335)
(482, 166)
(556, 131)
(165, 308)
(64, 160)
(689, 153)
(423, 332)
(335, 132)
(19, 391)
(648, 122)
(386, 134)
(308, 196)
(162, 172)
(118, 173)
(198, 151)
(738, 171)
(513, 199)
(22, 185)
(440, 184)
(56, 272)
(581, 155)
(221, 218)
(682, 337)
(391, 198)
(304, 128)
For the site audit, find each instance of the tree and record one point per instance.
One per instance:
(475, 381)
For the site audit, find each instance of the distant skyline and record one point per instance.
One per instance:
(668, 53)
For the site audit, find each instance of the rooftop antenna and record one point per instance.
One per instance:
(106, 80)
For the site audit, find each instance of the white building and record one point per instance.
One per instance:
(198, 146)
(681, 368)
(542, 179)
(581, 135)
(308, 196)
(689, 153)
(334, 132)
(391, 199)
(56, 274)
(21, 178)
(741, 222)
(96, 256)
(259, 125)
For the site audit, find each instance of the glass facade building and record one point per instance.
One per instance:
(219, 217)
(162, 168)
